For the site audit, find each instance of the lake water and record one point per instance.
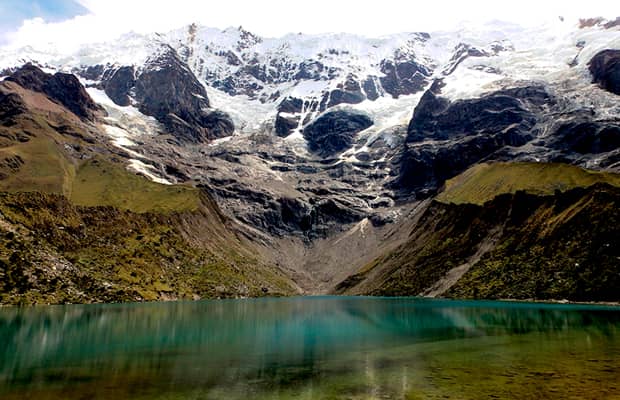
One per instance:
(311, 348)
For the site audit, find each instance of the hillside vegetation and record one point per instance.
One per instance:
(482, 182)
(530, 241)
(77, 227)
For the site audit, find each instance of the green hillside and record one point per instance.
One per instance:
(482, 182)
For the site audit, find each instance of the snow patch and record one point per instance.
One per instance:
(121, 139)
(309, 88)
(145, 169)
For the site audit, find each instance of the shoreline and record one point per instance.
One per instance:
(614, 304)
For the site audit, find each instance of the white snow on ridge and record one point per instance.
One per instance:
(309, 88)
(540, 54)
(249, 116)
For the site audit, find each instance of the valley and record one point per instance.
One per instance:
(207, 163)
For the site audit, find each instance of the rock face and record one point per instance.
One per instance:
(444, 138)
(333, 132)
(289, 116)
(62, 88)
(218, 124)
(349, 92)
(403, 76)
(11, 105)
(118, 85)
(167, 90)
(438, 119)
(587, 137)
(605, 69)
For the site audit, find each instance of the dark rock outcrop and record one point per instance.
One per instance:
(463, 51)
(290, 105)
(284, 125)
(605, 69)
(168, 90)
(587, 137)
(348, 92)
(62, 88)
(334, 131)
(11, 105)
(286, 120)
(465, 132)
(436, 118)
(218, 124)
(403, 77)
(310, 70)
(92, 72)
(370, 86)
(118, 85)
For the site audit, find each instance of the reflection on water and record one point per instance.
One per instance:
(326, 347)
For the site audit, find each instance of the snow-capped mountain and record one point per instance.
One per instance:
(325, 149)
(327, 119)
(317, 72)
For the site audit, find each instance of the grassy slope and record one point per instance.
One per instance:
(563, 245)
(119, 238)
(45, 168)
(97, 181)
(52, 251)
(482, 182)
(76, 226)
(100, 182)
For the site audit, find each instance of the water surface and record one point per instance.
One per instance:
(311, 348)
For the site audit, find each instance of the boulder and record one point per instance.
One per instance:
(334, 131)
(218, 124)
(605, 70)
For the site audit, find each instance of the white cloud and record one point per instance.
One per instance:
(110, 18)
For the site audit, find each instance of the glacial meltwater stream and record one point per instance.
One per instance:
(311, 348)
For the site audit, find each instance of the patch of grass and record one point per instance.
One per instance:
(99, 182)
(44, 168)
(482, 182)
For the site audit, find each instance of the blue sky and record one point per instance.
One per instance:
(14, 12)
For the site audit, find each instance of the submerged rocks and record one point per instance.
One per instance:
(333, 132)
(605, 69)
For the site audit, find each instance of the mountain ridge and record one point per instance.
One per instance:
(325, 155)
